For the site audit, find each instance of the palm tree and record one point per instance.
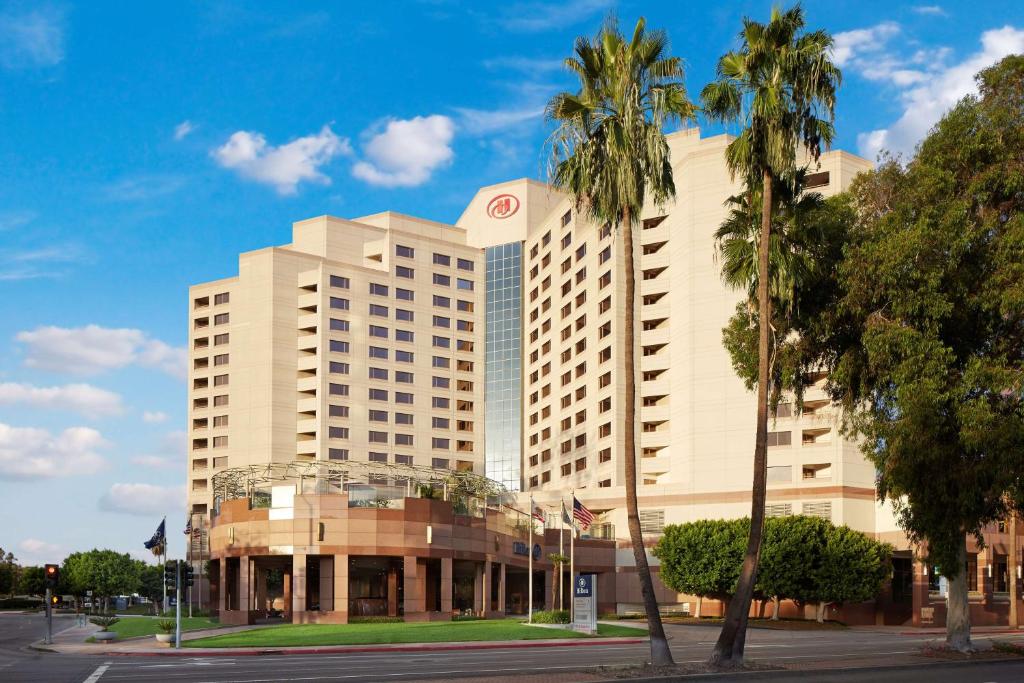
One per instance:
(781, 86)
(609, 153)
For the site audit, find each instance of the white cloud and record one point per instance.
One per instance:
(154, 416)
(93, 349)
(35, 551)
(933, 10)
(528, 64)
(44, 262)
(182, 130)
(170, 453)
(285, 166)
(484, 122)
(143, 187)
(928, 99)
(81, 398)
(143, 499)
(31, 39)
(406, 152)
(30, 453)
(530, 17)
(852, 44)
(9, 220)
(154, 461)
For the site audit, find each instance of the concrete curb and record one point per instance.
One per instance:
(359, 649)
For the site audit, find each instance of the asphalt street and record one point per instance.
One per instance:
(689, 644)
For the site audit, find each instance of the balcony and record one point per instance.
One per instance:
(659, 335)
(308, 447)
(307, 343)
(308, 322)
(306, 425)
(658, 260)
(658, 413)
(306, 405)
(308, 363)
(657, 439)
(308, 301)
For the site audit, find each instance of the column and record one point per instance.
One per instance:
(298, 588)
(447, 577)
(341, 589)
(327, 583)
(414, 599)
(488, 595)
(549, 582)
(479, 601)
(286, 597)
(392, 592)
(222, 589)
(261, 591)
(501, 588)
(244, 584)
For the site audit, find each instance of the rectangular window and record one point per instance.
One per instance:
(440, 402)
(378, 394)
(466, 285)
(403, 377)
(378, 415)
(339, 346)
(337, 432)
(440, 382)
(465, 306)
(403, 397)
(403, 418)
(439, 463)
(378, 373)
(404, 335)
(220, 339)
(339, 325)
(442, 280)
(439, 444)
(403, 459)
(464, 325)
(377, 331)
(780, 438)
(220, 420)
(220, 441)
(337, 411)
(465, 264)
(402, 271)
(404, 356)
(340, 282)
(221, 319)
(377, 457)
(378, 352)
(403, 314)
(441, 362)
(442, 259)
(221, 400)
(337, 389)
(442, 301)
(221, 298)
(378, 310)
(337, 453)
(339, 303)
(220, 359)
(338, 368)
(439, 422)
(378, 289)
(404, 294)
(404, 251)
(220, 380)
(441, 321)
(442, 342)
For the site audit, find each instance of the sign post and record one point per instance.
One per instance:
(584, 603)
(49, 617)
(177, 607)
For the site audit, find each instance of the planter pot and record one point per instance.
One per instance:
(165, 637)
(104, 636)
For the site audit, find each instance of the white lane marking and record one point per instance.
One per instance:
(100, 670)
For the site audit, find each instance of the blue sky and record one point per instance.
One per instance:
(144, 145)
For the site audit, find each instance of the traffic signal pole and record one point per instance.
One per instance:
(177, 609)
(49, 617)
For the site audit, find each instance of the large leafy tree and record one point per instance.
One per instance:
(703, 558)
(790, 559)
(780, 85)
(610, 154)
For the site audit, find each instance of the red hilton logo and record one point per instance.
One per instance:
(503, 206)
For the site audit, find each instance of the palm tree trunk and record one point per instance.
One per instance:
(729, 648)
(660, 654)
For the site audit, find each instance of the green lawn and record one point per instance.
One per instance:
(129, 627)
(422, 632)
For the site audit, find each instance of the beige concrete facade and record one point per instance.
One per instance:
(360, 340)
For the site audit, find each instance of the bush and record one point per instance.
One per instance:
(466, 617)
(20, 603)
(166, 625)
(554, 616)
(375, 620)
(104, 622)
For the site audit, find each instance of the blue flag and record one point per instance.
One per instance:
(158, 537)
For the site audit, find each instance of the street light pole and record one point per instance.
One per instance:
(177, 608)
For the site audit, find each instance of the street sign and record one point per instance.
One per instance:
(584, 603)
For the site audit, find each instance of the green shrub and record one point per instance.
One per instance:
(166, 625)
(466, 617)
(554, 616)
(375, 620)
(104, 622)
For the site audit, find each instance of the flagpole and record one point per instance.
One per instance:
(529, 580)
(572, 559)
(561, 550)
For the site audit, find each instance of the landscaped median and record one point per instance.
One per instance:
(299, 635)
(132, 627)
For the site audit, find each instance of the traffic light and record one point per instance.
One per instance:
(186, 574)
(52, 572)
(171, 574)
(54, 601)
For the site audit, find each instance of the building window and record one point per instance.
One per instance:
(378, 310)
(441, 362)
(337, 432)
(221, 400)
(220, 441)
(404, 335)
(439, 463)
(403, 377)
(440, 402)
(338, 368)
(404, 251)
(442, 342)
(404, 294)
(337, 453)
(220, 339)
(404, 356)
(404, 315)
(378, 373)
(220, 420)
(442, 301)
(377, 457)
(439, 422)
(220, 380)
(340, 282)
(440, 382)
(377, 331)
(403, 459)
(402, 271)
(441, 321)
(465, 306)
(440, 444)
(338, 346)
(337, 389)
(337, 411)
(221, 319)
(377, 437)
(466, 285)
(465, 264)
(339, 325)
(221, 298)
(652, 521)
(378, 289)
(780, 438)
(339, 303)
(442, 280)
(378, 352)
(378, 394)
(378, 415)
(403, 397)
(403, 418)
(221, 359)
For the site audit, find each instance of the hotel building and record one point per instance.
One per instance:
(366, 402)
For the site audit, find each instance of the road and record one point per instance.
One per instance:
(689, 644)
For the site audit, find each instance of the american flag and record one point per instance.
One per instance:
(538, 514)
(188, 526)
(581, 514)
